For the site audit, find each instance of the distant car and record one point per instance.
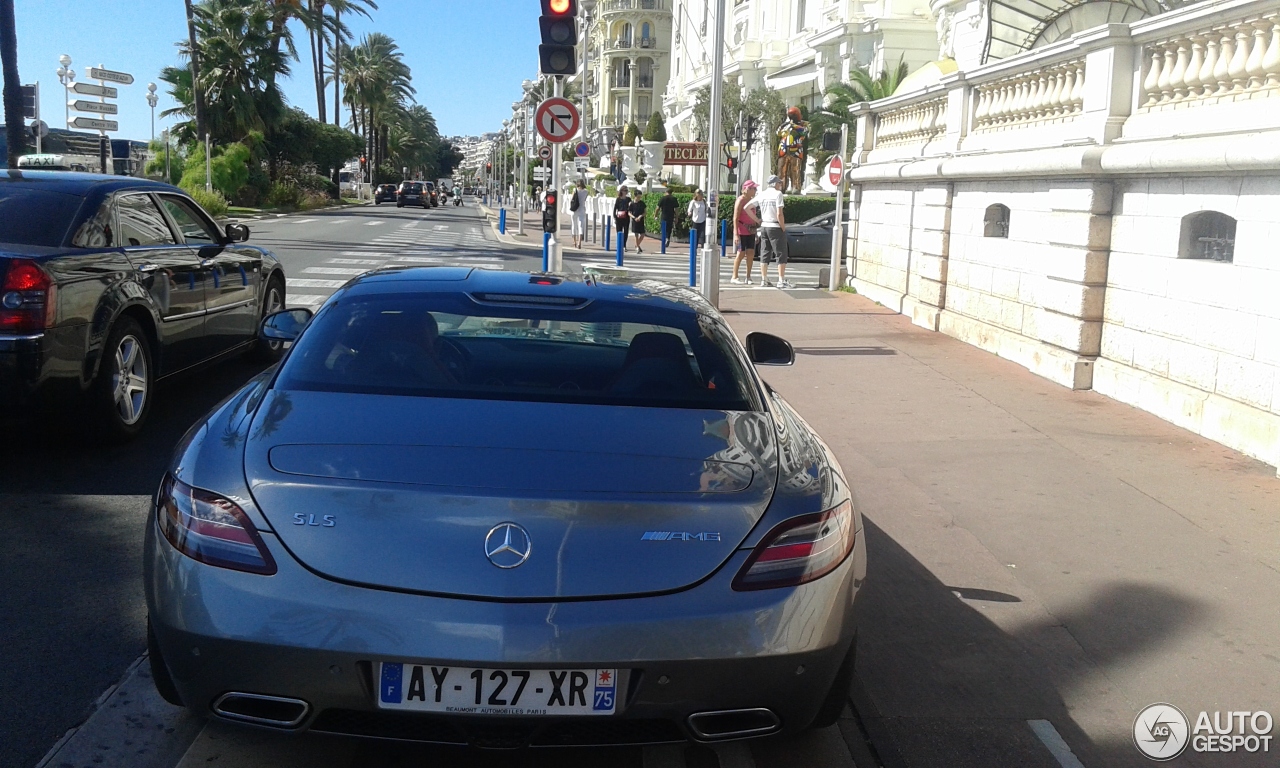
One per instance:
(811, 240)
(510, 510)
(386, 193)
(412, 193)
(432, 195)
(109, 285)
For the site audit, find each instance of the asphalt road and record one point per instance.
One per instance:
(70, 567)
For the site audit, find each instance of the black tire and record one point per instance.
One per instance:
(125, 386)
(833, 705)
(273, 297)
(159, 671)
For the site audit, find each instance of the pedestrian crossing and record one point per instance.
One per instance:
(674, 268)
(409, 244)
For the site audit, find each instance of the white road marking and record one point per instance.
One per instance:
(303, 221)
(304, 299)
(1057, 746)
(364, 262)
(421, 259)
(333, 271)
(412, 224)
(303, 282)
(441, 228)
(373, 223)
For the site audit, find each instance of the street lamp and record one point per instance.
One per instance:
(152, 100)
(587, 7)
(66, 76)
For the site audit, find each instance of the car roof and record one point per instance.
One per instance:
(534, 285)
(70, 182)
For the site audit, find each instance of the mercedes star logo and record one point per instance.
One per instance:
(507, 545)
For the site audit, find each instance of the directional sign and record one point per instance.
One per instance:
(583, 149)
(581, 164)
(541, 174)
(89, 89)
(544, 152)
(556, 119)
(101, 107)
(835, 171)
(93, 124)
(123, 78)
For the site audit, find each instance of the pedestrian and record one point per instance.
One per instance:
(638, 210)
(667, 205)
(697, 213)
(772, 238)
(578, 209)
(745, 224)
(622, 215)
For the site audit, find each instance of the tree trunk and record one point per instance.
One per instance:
(197, 93)
(337, 69)
(317, 58)
(14, 122)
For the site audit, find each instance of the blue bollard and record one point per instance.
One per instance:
(502, 221)
(664, 236)
(693, 258)
(622, 239)
(608, 227)
(546, 251)
(724, 239)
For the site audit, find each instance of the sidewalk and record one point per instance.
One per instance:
(1035, 553)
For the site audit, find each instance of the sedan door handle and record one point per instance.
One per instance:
(148, 267)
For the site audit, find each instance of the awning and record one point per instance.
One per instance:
(793, 76)
(1016, 25)
(674, 122)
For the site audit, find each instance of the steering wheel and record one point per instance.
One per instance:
(455, 358)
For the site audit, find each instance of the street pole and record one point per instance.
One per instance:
(208, 164)
(152, 100)
(711, 249)
(837, 231)
(168, 172)
(66, 76)
(39, 133)
(556, 254)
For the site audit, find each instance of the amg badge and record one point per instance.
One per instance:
(679, 536)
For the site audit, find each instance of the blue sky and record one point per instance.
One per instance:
(468, 56)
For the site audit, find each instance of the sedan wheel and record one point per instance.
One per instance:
(263, 350)
(129, 380)
(124, 383)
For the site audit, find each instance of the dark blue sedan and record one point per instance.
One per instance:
(111, 284)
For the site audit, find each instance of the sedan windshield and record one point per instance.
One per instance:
(450, 345)
(35, 217)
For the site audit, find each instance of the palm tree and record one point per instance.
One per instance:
(319, 32)
(13, 117)
(194, 52)
(377, 85)
(840, 97)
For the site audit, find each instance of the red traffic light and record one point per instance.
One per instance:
(560, 7)
(731, 163)
(551, 198)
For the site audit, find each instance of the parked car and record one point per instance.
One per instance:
(811, 240)
(504, 509)
(110, 285)
(386, 193)
(412, 193)
(432, 194)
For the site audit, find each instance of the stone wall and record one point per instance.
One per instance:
(1197, 342)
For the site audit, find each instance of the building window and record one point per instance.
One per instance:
(1208, 235)
(996, 221)
(800, 11)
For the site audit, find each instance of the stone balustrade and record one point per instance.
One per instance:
(1052, 93)
(912, 124)
(1228, 62)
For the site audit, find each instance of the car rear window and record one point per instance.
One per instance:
(35, 216)
(451, 345)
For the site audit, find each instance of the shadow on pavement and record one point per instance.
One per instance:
(943, 685)
(73, 514)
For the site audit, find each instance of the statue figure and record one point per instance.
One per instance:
(793, 150)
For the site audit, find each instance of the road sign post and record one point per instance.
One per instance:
(557, 121)
(99, 107)
(836, 175)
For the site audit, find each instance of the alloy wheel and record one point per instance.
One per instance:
(274, 303)
(130, 382)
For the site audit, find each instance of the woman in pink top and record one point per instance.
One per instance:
(744, 232)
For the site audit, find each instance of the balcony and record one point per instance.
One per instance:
(618, 45)
(620, 81)
(1198, 71)
(621, 6)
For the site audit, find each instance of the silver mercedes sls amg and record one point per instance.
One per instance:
(506, 510)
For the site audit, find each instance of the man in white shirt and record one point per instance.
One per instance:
(772, 241)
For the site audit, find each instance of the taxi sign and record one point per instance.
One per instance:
(556, 120)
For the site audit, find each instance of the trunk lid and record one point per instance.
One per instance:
(615, 501)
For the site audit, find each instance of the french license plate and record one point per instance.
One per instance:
(471, 691)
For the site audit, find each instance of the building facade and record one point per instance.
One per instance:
(628, 65)
(1094, 194)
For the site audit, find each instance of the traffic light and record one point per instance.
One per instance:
(731, 163)
(559, 23)
(549, 220)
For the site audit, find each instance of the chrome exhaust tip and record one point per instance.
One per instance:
(733, 723)
(255, 708)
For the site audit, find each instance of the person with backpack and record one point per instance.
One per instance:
(578, 213)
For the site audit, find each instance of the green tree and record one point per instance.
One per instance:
(630, 135)
(839, 98)
(229, 167)
(378, 86)
(324, 28)
(177, 160)
(763, 108)
(656, 130)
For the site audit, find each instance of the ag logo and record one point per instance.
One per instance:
(1160, 731)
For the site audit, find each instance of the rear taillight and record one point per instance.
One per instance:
(799, 550)
(209, 528)
(28, 298)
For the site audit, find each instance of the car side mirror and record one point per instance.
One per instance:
(237, 233)
(285, 325)
(767, 349)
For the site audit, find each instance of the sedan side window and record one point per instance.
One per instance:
(192, 227)
(96, 232)
(141, 222)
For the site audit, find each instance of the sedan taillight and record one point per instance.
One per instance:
(28, 298)
(207, 527)
(800, 550)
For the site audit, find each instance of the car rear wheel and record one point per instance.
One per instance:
(264, 351)
(122, 392)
